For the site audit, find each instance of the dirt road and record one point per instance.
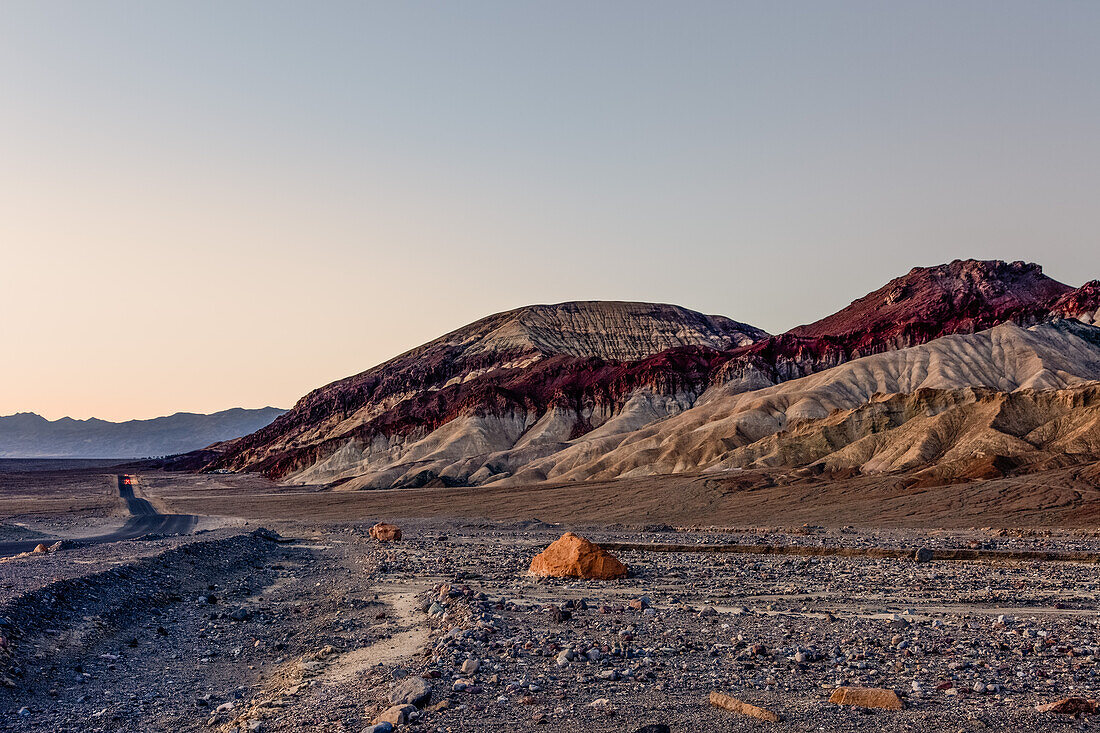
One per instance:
(144, 520)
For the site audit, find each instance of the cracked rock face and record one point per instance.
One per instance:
(614, 331)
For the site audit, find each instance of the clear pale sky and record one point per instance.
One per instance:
(215, 204)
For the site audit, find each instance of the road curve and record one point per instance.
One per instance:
(144, 519)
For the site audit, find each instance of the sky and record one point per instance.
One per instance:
(215, 204)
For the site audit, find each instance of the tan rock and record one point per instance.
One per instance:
(1069, 706)
(396, 715)
(571, 556)
(867, 697)
(733, 705)
(385, 532)
(41, 548)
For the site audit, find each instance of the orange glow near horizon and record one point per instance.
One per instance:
(207, 206)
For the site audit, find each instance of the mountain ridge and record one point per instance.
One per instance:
(30, 435)
(535, 380)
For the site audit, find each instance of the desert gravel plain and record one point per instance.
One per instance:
(310, 624)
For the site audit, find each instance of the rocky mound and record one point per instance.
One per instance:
(554, 370)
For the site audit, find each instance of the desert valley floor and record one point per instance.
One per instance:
(310, 624)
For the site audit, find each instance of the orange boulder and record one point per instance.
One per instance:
(575, 557)
(385, 532)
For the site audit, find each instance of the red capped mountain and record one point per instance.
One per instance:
(1082, 303)
(608, 389)
(963, 296)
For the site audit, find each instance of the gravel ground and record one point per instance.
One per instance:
(318, 634)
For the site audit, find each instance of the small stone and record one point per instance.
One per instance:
(1069, 706)
(396, 715)
(240, 614)
(866, 697)
(411, 691)
(383, 727)
(470, 666)
(559, 615)
(385, 532)
(733, 705)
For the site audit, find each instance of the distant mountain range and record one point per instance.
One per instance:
(958, 371)
(27, 435)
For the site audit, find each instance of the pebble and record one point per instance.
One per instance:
(411, 691)
(383, 727)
